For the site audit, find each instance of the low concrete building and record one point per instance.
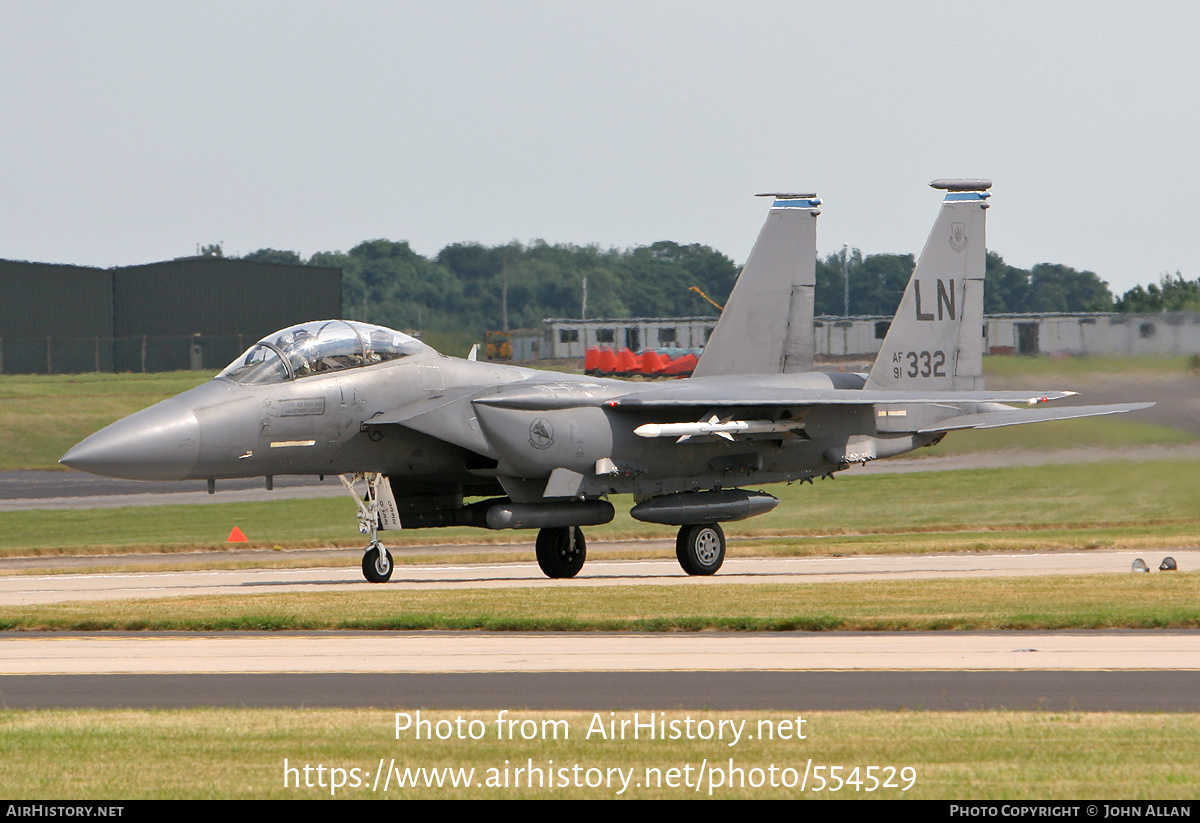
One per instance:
(571, 338)
(1099, 333)
(1102, 333)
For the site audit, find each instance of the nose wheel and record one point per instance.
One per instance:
(700, 549)
(561, 551)
(377, 564)
(372, 516)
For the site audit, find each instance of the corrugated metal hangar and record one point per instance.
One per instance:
(191, 313)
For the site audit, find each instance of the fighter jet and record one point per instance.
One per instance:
(414, 434)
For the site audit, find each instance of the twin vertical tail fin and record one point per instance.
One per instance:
(935, 341)
(767, 324)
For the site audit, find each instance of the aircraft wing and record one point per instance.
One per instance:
(1015, 417)
(825, 397)
(704, 394)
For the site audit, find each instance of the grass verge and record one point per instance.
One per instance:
(1020, 603)
(984, 755)
(1089, 366)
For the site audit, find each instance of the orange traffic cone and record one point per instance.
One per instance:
(236, 536)
(607, 362)
(652, 363)
(627, 362)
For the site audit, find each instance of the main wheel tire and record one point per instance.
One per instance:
(700, 549)
(377, 565)
(561, 551)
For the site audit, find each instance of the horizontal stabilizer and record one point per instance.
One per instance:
(1016, 417)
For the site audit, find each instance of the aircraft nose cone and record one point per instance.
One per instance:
(158, 443)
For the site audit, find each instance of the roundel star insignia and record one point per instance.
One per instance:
(541, 434)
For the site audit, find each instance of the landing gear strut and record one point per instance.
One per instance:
(377, 560)
(700, 548)
(561, 551)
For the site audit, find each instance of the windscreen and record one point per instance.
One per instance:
(317, 348)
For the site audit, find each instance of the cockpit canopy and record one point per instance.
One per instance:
(318, 348)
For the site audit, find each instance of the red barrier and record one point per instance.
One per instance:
(681, 367)
(600, 360)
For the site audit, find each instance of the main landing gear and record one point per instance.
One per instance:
(700, 548)
(561, 551)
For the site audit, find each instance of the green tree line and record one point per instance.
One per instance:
(877, 282)
(473, 288)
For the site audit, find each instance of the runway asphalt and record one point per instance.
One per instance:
(959, 671)
(1058, 691)
(25, 490)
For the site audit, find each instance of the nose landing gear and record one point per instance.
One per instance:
(377, 560)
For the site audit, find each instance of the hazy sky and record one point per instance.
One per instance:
(131, 132)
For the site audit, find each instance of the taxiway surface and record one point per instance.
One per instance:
(32, 589)
(382, 652)
(944, 671)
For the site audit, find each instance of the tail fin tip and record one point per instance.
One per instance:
(961, 184)
(767, 324)
(936, 339)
